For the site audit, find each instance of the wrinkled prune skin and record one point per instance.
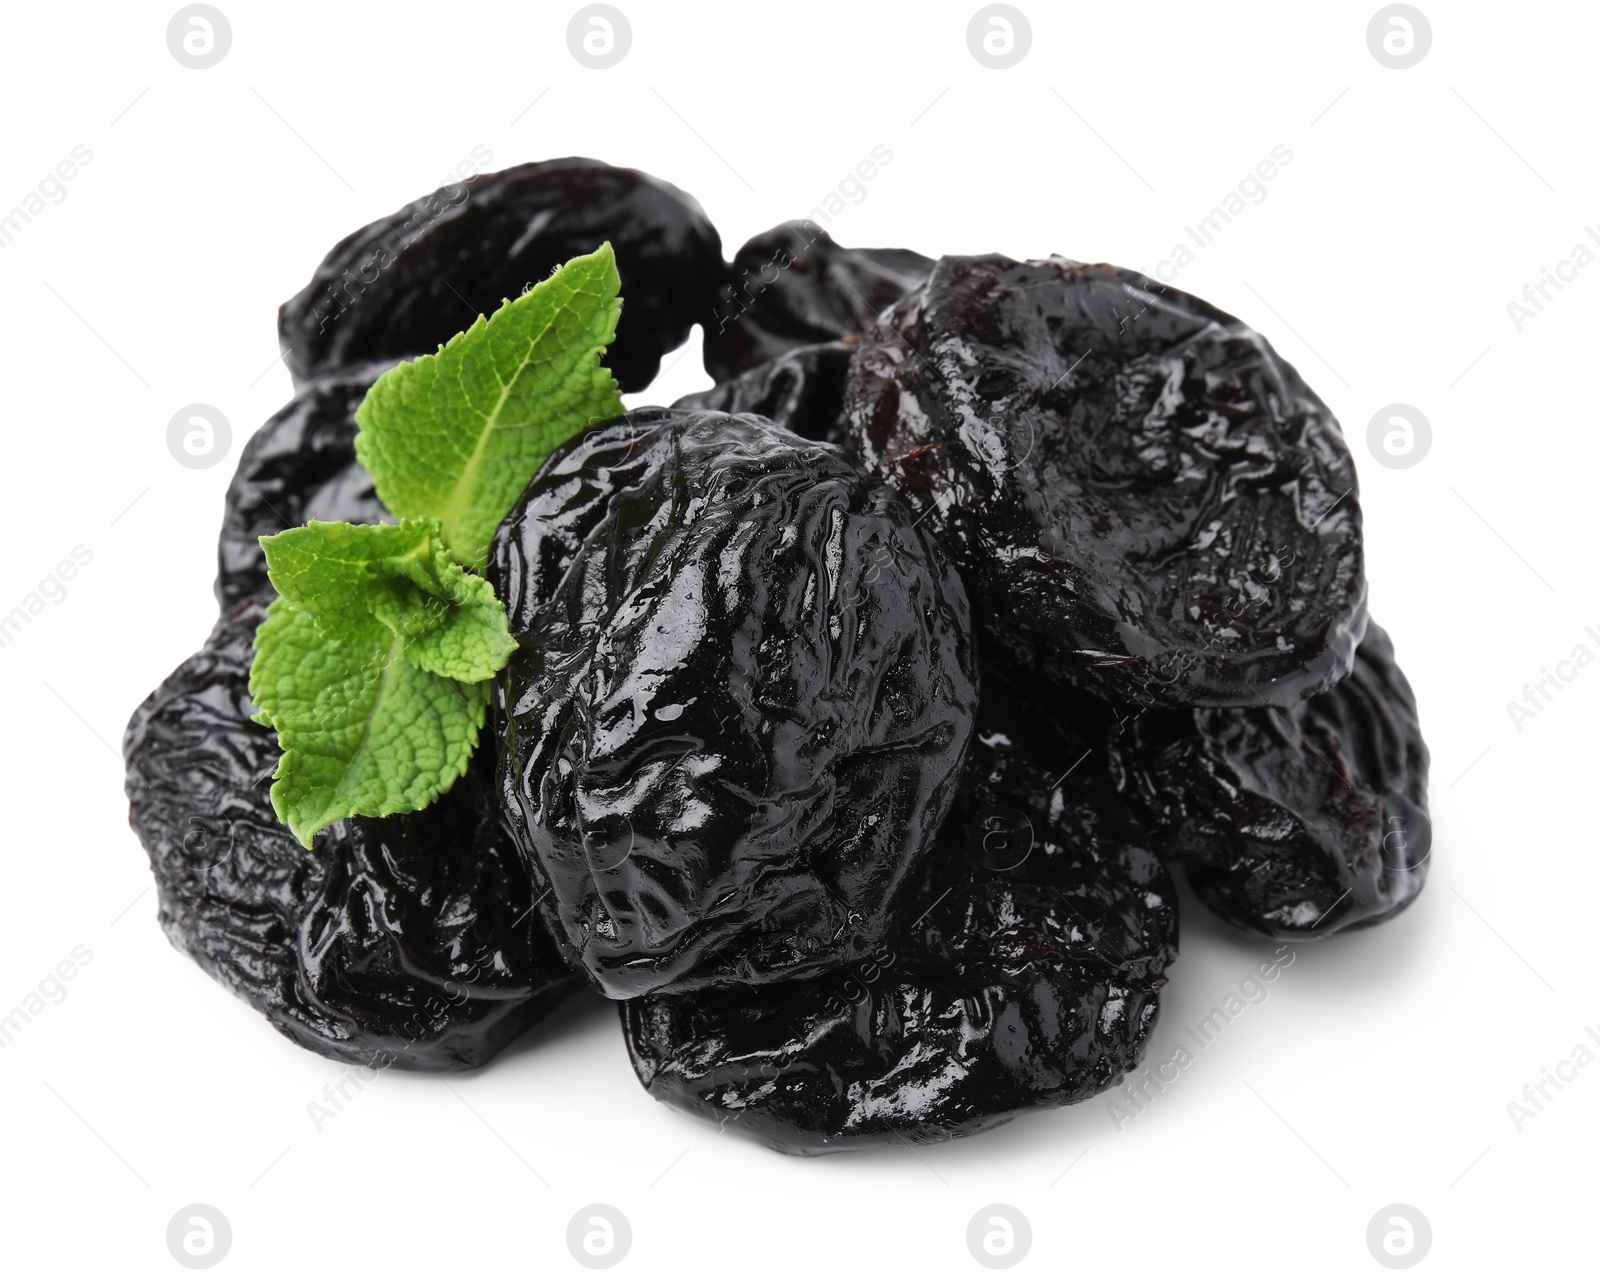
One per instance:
(1026, 975)
(1297, 823)
(736, 716)
(408, 941)
(410, 281)
(298, 466)
(792, 286)
(801, 390)
(1144, 498)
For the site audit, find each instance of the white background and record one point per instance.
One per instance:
(1418, 203)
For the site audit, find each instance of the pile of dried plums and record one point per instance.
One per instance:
(862, 702)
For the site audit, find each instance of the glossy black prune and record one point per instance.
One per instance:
(1143, 497)
(408, 941)
(801, 390)
(298, 466)
(410, 281)
(736, 717)
(792, 286)
(1298, 822)
(1026, 974)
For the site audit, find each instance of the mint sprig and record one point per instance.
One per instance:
(376, 661)
(458, 434)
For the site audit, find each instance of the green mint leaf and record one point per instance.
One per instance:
(457, 435)
(372, 583)
(363, 729)
(374, 666)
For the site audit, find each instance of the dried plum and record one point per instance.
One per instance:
(1029, 980)
(1298, 822)
(737, 714)
(792, 286)
(408, 941)
(410, 281)
(1144, 498)
(298, 466)
(801, 390)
